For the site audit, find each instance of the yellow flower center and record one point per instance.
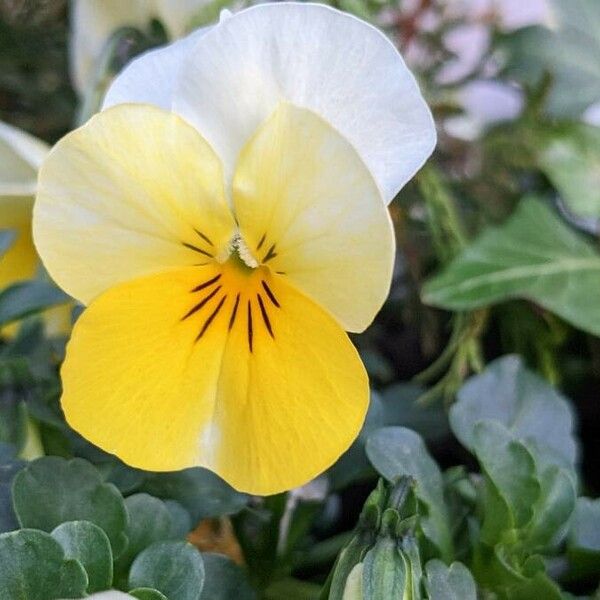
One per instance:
(240, 286)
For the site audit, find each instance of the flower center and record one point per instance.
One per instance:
(238, 286)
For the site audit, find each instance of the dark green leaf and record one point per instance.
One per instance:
(224, 579)
(173, 568)
(202, 493)
(533, 255)
(52, 490)
(33, 567)
(88, 544)
(384, 571)
(27, 298)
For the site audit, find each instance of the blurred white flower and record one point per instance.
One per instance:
(485, 102)
(94, 21)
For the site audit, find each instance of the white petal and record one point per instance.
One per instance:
(314, 57)
(151, 77)
(20, 158)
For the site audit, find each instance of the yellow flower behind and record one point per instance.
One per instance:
(20, 157)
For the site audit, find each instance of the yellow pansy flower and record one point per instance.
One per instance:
(20, 157)
(226, 223)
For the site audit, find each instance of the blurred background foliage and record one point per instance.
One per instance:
(497, 255)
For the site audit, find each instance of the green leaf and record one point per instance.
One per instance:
(52, 490)
(7, 237)
(510, 470)
(527, 405)
(400, 406)
(33, 566)
(173, 568)
(224, 579)
(584, 536)
(147, 594)
(27, 298)
(202, 493)
(397, 451)
(533, 255)
(88, 544)
(181, 522)
(449, 583)
(354, 465)
(149, 521)
(552, 511)
(570, 158)
(568, 51)
(10, 465)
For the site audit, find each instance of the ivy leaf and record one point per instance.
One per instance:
(33, 566)
(527, 405)
(449, 583)
(224, 579)
(173, 568)
(397, 451)
(88, 544)
(52, 490)
(533, 255)
(27, 298)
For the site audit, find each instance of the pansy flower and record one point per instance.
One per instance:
(224, 218)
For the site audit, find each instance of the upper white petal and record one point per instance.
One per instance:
(315, 57)
(229, 80)
(151, 78)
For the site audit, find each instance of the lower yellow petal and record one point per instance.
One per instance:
(217, 366)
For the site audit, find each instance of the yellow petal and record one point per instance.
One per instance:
(308, 207)
(244, 376)
(20, 261)
(134, 191)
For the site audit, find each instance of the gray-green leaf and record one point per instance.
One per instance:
(533, 255)
(88, 544)
(224, 579)
(527, 405)
(33, 566)
(449, 583)
(29, 297)
(52, 490)
(173, 568)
